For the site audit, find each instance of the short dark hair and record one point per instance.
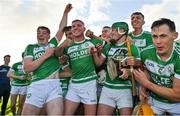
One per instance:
(23, 55)
(107, 27)
(137, 13)
(77, 20)
(163, 21)
(67, 28)
(6, 56)
(44, 28)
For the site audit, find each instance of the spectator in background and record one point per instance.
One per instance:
(4, 83)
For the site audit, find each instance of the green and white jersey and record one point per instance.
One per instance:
(81, 62)
(64, 82)
(118, 52)
(17, 69)
(142, 40)
(162, 72)
(48, 67)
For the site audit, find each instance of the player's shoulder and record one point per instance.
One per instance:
(147, 32)
(177, 47)
(148, 49)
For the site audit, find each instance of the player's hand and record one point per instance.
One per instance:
(22, 78)
(142, 77)
(68, 8)
(89, 33)
(49, 52)
(131, 61)
(99, 47)
(63, 59)
(29, 79)
(125, 74)
(92, 50)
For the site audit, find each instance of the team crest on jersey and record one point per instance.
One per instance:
(159, 69)
(166, 70)
(120, 54)
(86, 44)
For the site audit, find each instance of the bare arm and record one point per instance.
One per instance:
(98, 58)
(30, 65)
(12, 76)
(63, 22)
(169, 93)
(59, 50)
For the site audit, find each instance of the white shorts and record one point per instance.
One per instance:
(83, 92)
(116, 97)
(43, 91)
(161, 107)
(18, 90)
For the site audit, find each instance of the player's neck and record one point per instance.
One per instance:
(79, 38)
(106, 39)
(137, 31)
(165, 56)
(6, 64)
(121, 40)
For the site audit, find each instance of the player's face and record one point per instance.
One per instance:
(68, 34)
(77, 29)
(6, 60)
(106, 33)
(137, 21)
(115, 34)
(163, 40)
(42, 36)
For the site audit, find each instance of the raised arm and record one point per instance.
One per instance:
(63, 22)
(59, 50)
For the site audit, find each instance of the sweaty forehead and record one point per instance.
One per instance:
(77, 22)
(42, 30)
(136, 15)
